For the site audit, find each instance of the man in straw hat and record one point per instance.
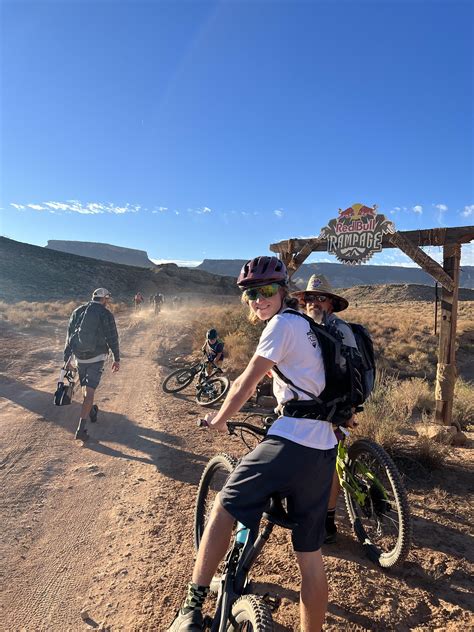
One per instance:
(320, 303)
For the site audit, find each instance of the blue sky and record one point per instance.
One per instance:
(212, 129)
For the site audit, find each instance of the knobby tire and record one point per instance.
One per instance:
(213, 479)
(387, 548)
(220, 386)
(182, 377)
(250, 614)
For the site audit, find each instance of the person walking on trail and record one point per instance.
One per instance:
(321, 303)
(91, 334)
(296, 459)
(213, 349)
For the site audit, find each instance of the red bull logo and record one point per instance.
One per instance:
(356, 233)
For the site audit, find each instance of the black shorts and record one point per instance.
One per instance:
(301, 475)
(90, 374)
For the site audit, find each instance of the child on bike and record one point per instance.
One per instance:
(213, 349)
(296, 459)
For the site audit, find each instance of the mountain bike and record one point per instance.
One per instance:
(209, 388)
(236, 608)
(376, 502)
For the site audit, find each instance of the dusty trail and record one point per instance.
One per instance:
(106, 530)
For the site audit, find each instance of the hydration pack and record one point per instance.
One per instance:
(349, 375)
(87, 333)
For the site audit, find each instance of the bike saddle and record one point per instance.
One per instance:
(278, 515)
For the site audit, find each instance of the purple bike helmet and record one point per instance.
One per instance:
(261, 271)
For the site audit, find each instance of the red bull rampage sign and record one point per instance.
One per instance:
(356, 233)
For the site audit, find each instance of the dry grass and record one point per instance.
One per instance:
(25, 315)
(463, 407)
(239, 335)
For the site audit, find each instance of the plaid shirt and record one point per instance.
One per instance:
(108, 340)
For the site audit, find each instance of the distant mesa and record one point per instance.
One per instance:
(34, 273)
(341, 275)
(103, 252)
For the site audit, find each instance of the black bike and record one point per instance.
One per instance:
(373, 489)
(209, 389)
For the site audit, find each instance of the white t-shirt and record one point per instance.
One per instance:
(288, 341)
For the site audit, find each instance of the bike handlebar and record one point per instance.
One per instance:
(232, 426)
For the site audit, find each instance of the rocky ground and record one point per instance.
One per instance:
(100, 536)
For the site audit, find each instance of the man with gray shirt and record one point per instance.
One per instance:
(91, 334)
(321, 303)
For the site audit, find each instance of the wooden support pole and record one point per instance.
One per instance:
(446, 373)
(420, 257)
(298, 258)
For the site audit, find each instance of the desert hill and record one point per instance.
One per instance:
(32, 273)
(345, 276)
(396, 293)
(104, 252)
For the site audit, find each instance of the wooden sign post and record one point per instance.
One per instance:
(295, 251)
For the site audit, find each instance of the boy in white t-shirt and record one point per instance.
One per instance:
(295, 460)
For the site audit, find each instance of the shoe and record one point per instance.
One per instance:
(81, 434)
(331, 535)
(93, 413)
(190, 622)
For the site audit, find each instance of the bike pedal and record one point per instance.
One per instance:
(272, 601)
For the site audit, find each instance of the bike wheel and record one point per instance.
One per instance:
(250, 614)
(213, 479)
(211, 391)
(381, 521)
(177, 380)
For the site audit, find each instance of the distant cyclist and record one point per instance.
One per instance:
(91, 334)
(296, 459)
(213, 348)
(157, 302)
(138, 299)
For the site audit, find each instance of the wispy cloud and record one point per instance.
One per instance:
(278, 212)
(417, 209)
(440, 210)
(468, 210)
(76, 206)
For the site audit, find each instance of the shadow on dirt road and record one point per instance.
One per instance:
(113, 435)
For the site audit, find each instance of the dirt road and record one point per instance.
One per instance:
(100, 536)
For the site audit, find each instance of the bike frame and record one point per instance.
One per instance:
(347, 480)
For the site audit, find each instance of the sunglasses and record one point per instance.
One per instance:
(315, 298)
(266, 291)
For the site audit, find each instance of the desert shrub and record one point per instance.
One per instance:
(430, 453)
(390, 408)
(238, 349)
(463, 406)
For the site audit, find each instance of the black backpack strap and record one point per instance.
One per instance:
(290, 383)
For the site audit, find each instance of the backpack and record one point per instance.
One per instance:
(365, 347)
(349, 375)
(87, 333)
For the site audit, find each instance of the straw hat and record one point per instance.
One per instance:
(318, 284)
